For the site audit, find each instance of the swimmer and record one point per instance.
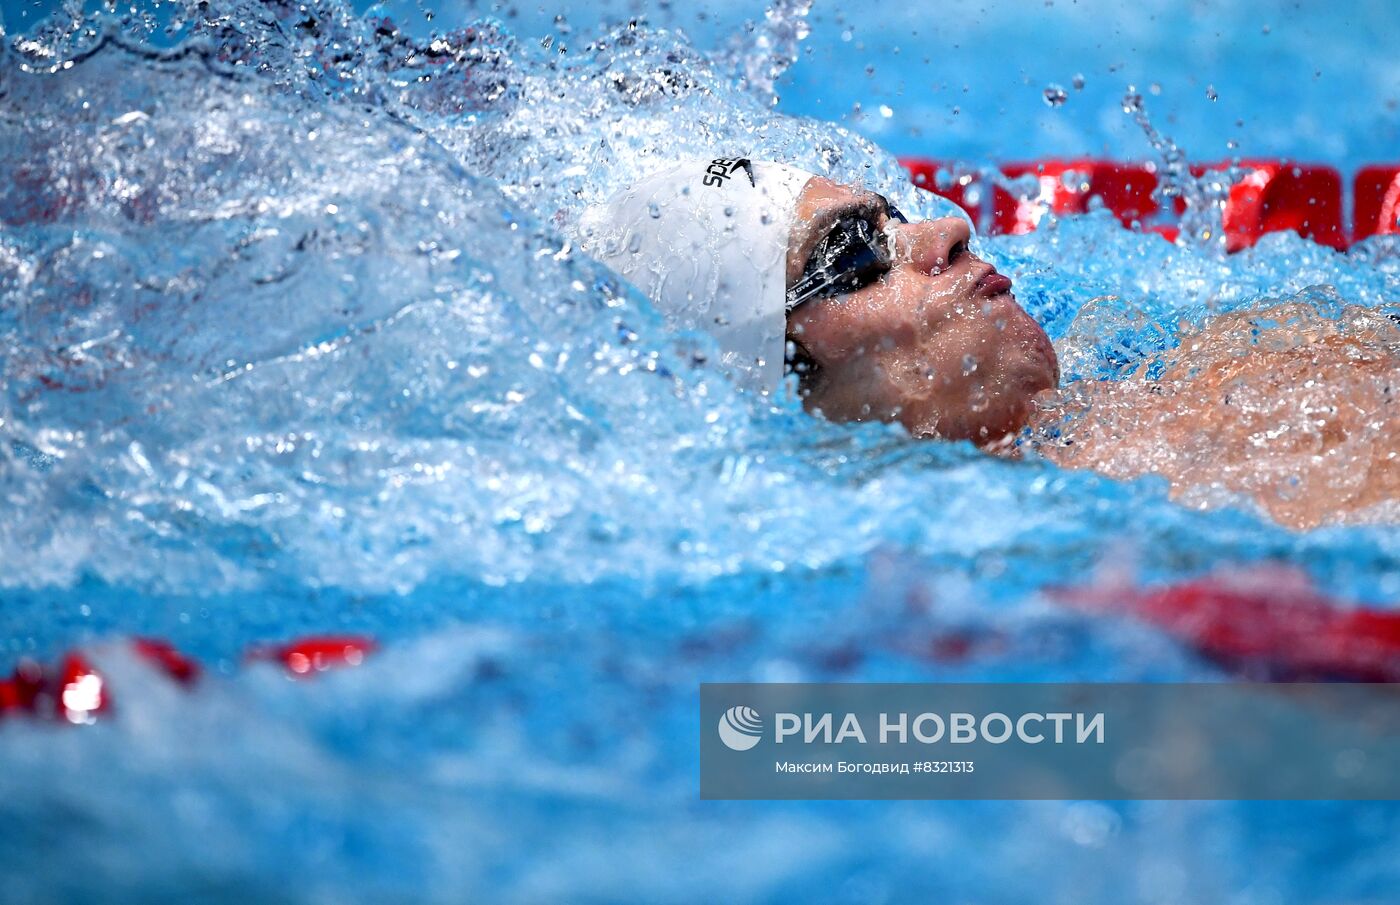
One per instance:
(881, 319)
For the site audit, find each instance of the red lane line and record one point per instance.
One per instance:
(1272, 196)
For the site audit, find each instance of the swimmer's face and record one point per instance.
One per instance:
(937, 343)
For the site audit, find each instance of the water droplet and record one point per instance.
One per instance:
(1211, 93)
(1055, 96)
(1078, 82)
(969, 364)
(655, 210)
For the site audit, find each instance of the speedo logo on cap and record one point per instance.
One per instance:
(722, 169)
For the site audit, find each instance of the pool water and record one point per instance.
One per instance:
(294, 342)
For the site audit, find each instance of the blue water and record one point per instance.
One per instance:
(292, 341)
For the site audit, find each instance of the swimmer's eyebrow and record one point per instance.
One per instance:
(866, 204)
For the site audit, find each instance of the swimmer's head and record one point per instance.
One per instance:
(881, 319)
(707, 241)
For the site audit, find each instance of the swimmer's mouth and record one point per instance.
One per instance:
(992, 284)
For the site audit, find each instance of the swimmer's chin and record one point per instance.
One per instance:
(1036, 371)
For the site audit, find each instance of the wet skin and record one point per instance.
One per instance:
(938, 343)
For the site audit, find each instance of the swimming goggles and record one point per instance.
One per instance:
(852, 256)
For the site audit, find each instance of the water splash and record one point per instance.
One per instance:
(1202, 222)
(760, 54)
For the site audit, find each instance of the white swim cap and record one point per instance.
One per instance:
(707, 242)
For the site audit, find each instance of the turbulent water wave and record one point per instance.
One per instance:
(292, 335)
(273, 308)
(237, 305)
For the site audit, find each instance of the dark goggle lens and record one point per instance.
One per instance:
(856, 266)
(851, 257)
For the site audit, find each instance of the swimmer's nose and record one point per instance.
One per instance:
(933, 245)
